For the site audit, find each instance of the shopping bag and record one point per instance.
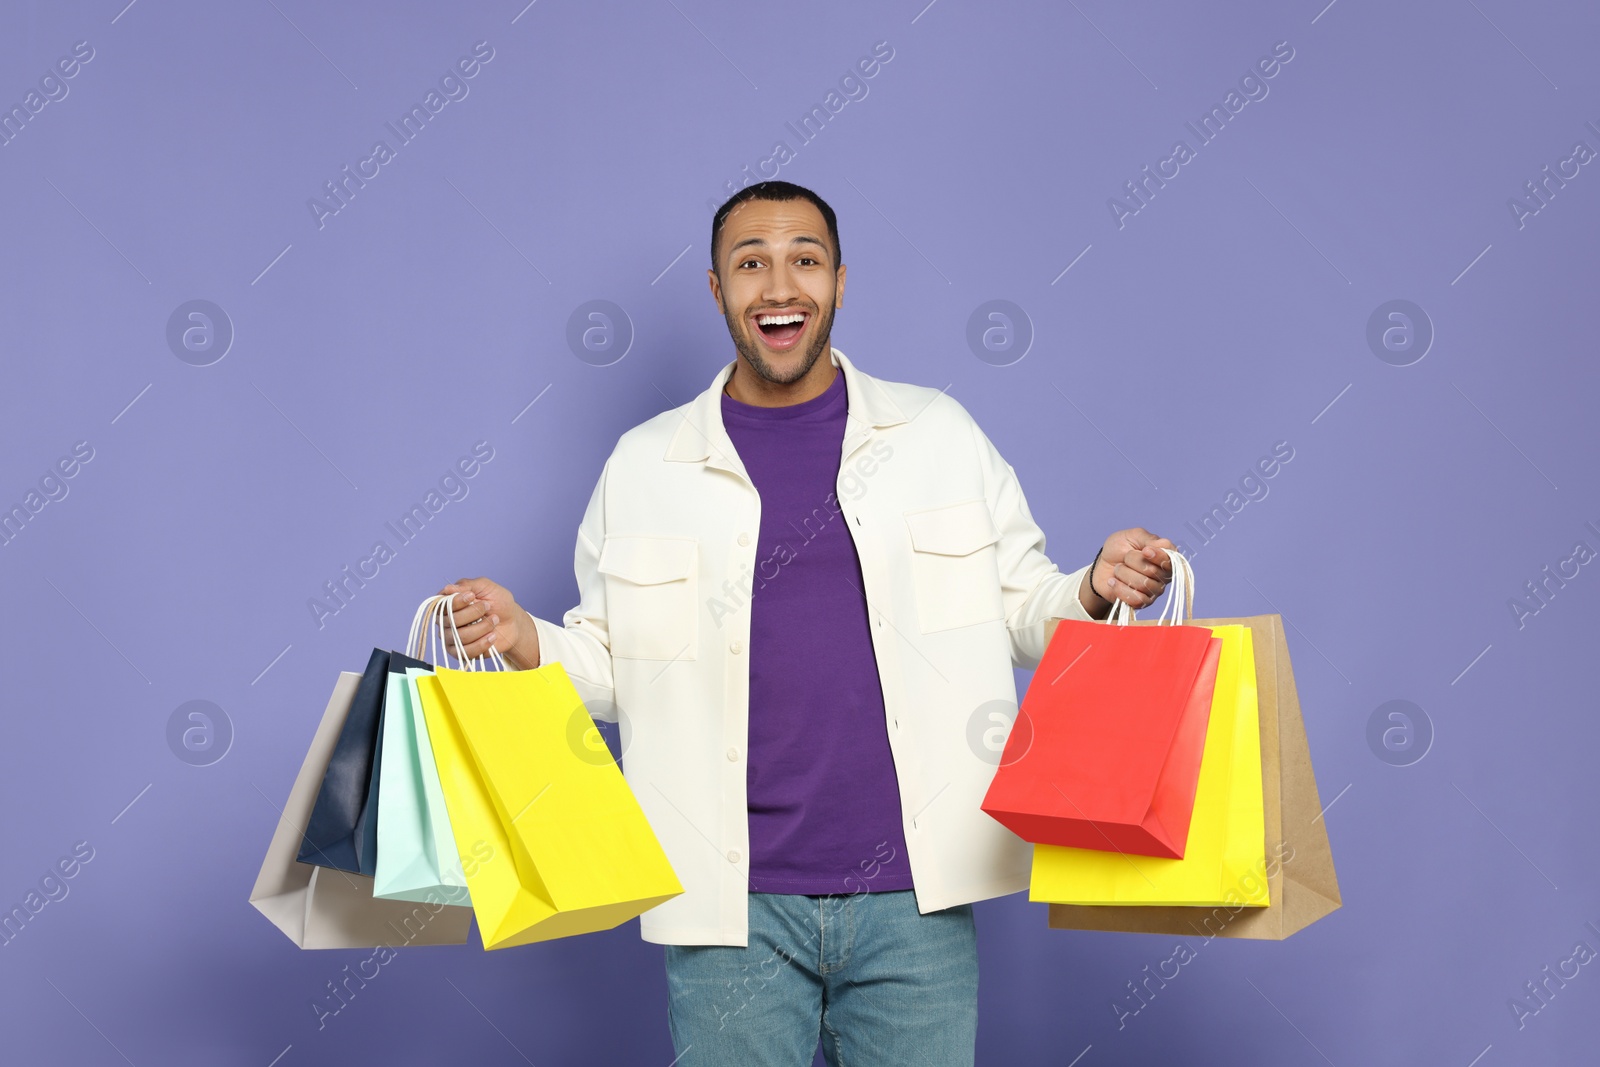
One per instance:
(1105, 752)
(552, 841)
(416, 854)
(1298, 867)
(1225, 858)
(343, 832)
(322, 908)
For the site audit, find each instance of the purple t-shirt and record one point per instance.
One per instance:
(823, 799)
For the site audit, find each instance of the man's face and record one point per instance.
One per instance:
(774, 264)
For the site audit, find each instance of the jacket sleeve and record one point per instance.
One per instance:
(1032, 588)
(582, 643)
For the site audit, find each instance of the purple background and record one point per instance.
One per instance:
(1229, 314)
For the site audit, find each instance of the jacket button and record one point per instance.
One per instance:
(733, 856)
(733, 755)
(735, 647)
(744, 539)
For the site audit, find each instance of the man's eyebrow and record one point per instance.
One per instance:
(802, 239)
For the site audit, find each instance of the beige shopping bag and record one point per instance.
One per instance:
(1298, 866)
(318, 907)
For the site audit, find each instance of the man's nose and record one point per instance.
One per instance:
(780, 285)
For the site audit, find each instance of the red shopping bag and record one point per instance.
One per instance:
(1105, 752)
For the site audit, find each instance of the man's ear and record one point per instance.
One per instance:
(716, 289)
(838, 297)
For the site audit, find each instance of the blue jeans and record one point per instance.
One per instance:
(876, 981)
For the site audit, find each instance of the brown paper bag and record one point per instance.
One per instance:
(322, 908)
(1299, 866)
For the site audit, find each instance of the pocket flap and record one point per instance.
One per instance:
(954, 530)
(647, 560)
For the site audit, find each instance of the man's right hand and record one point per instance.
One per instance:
(487, 616)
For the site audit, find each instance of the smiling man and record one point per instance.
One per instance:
(798, 591)
(782, 329)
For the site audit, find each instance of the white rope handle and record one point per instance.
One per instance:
(423, 628)
(1180, 598)
(474, 664)
(427, 633)
(416, 636)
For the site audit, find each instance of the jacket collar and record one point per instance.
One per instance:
(701, 435)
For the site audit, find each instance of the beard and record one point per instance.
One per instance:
(750, 348)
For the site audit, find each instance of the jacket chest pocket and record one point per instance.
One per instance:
(955, 565)
(652, 589)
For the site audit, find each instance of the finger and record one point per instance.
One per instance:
(473, 636)
(482, 627)
(473, 621)
(1138, 581)
(1138, 537)
(470, 649)
(1135, 597)
(480, 646)
(1137, 563)
(468, 607)
(1159, 571)
(459, 594)
(475, 587)
(1132, 597)
(1156, 551)
(474, 628)
(1148, 544)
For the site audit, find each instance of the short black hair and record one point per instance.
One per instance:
(775, 190)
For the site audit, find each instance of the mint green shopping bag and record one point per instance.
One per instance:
(417, 856)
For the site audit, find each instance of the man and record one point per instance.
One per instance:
(799, 591)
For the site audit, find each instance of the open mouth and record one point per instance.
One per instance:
(781, 329)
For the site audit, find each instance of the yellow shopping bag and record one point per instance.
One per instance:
(1225, 861)
(551, 839)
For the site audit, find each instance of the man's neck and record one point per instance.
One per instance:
(774, 396)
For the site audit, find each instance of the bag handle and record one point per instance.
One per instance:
(423, 632)
(427, 629)
(1180, 598)
(416, 637)
(448, 607)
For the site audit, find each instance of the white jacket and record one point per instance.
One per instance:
(957, 586)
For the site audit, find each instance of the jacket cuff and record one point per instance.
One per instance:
(1073, 607)
(550, 638)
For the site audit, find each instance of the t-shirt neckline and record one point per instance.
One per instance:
(822, 402)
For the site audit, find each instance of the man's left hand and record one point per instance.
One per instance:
(1132, 568)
